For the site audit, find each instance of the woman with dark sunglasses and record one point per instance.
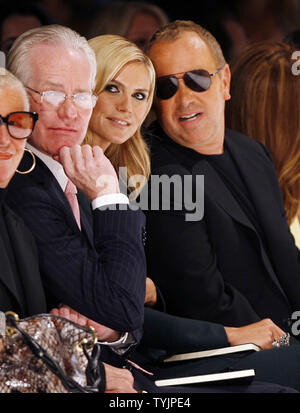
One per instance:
(20, 284)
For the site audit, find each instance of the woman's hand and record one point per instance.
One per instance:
(262, 333)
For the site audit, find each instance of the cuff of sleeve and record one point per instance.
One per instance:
(121, 346)
(117, 343)
(109, 199)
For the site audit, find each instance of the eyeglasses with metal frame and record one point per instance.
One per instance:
(83, 100)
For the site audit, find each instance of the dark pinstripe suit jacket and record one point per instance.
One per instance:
(98, 271)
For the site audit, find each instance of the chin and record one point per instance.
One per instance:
(119, 141)
(4, 181)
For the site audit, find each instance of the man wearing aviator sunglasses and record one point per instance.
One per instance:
(238, 264)
(196, 80)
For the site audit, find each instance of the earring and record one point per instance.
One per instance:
(32, 166)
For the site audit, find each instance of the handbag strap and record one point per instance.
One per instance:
(95, 371)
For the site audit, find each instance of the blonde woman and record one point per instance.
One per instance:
(124, 85)
(265, 105)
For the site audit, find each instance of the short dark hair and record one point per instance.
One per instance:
(173, 31)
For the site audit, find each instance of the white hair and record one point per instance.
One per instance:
(9, 81)
(17, 59)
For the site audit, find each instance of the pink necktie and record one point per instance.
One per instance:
(70, 193)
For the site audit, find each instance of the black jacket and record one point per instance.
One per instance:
(29, 298)
(221, 268)
(99, 271)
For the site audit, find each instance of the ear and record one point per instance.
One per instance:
(226, 78)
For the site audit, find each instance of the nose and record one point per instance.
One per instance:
(124, 103)
(68, 110)
(5, 138)
(184, 94)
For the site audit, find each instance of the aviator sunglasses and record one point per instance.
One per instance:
(196, 80)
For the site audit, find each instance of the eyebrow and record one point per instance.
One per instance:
(56, 85)
(122, 84)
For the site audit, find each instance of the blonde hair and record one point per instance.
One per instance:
(17, 58)
(265, 106)
(174, 30)
(113, 52)
(9, 81)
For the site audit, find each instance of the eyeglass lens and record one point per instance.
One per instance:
(20, 125)
(197, 80)
(82, 100)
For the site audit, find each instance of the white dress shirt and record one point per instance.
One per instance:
(58, 171)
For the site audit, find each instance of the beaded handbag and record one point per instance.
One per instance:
(48, 354)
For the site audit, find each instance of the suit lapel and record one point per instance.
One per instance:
(214, 187)
(260, 200)
(217, 192)
(50, 183)
(86, 216)
(43, 176)
(265, 198)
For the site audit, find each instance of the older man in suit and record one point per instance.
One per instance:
(98, 271)
(238, 263)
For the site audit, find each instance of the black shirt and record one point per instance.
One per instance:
(228, 171)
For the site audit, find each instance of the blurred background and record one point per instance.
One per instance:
(235, 23)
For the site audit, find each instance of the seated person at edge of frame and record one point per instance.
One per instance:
(265, 71)
(234, 262)
(21, 288)
(99, 271)
(124, 85)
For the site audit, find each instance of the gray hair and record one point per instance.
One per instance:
(17, 59)
(9, 81)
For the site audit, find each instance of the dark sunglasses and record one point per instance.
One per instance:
(196, 80)
(19, 124)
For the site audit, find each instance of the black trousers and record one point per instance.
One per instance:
(279, 365)
(144, 383)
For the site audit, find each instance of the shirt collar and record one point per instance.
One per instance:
(55, 167)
